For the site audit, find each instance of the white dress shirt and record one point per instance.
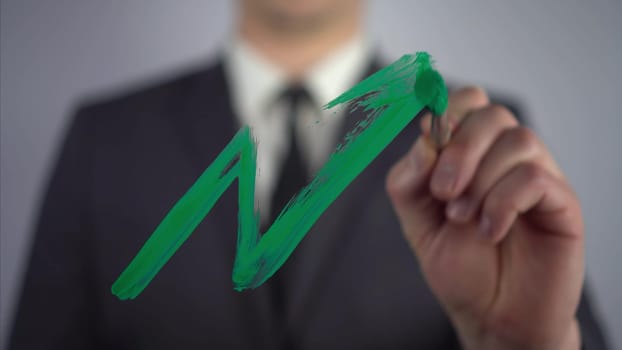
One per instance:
(256, 85)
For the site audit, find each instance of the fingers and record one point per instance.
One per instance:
(491, 167)
(408, 181)
(530, 189)
(466, 100)
(407, 186)
(462, 155)
(512, 146)
(460, 103)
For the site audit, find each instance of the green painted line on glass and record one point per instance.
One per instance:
(393, 96)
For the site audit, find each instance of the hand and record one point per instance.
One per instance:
(496, 228)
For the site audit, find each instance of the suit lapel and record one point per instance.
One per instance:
(205, 123)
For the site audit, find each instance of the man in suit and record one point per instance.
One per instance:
(493, 250)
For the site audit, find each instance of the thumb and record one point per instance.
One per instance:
(408, 187)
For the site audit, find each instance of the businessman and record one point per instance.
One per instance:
(478, 245)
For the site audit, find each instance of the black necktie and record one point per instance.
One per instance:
(293, 175)
(292, 178)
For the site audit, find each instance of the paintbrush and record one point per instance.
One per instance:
(439, 131)
(431, 90)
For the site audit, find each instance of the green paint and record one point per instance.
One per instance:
(393, 96)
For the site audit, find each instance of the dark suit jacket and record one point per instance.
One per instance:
(352, 283)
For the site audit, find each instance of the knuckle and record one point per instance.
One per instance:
(470, 98)
(501, 114)
(456, 154)
(496, 205)
(524, 139)
(534, 174)
(476, 94)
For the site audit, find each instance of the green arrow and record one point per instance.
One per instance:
(393, 96)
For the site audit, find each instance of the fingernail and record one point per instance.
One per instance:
(445, 178)
(459, 209)
(485, 228)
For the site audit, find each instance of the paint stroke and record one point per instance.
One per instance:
(392, 97)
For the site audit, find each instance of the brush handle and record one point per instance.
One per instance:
(440, 131)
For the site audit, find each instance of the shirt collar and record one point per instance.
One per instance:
(338, 71)
(256, 82)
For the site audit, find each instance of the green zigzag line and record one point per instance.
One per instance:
(392, 100)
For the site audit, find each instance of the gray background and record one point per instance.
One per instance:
(562, 57)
